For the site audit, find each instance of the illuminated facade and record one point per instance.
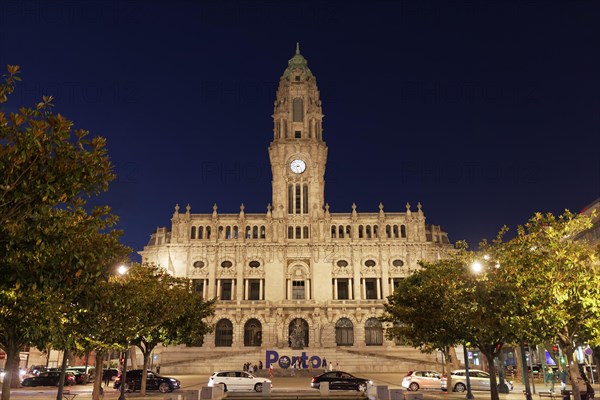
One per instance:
(296, 277)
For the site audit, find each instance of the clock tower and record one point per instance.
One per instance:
(298, 153)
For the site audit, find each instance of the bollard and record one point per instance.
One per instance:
(396, 394)
(266, 390)
(383, 392)
(324, 389)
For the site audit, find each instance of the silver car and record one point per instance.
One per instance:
(480, 380)
(416, 380)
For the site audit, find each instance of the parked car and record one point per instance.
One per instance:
(340, 380)
(109, 374)
(48, 378)
(80, 373)
(480, 380)
(238, 381)
(415, 380)
(154, 381)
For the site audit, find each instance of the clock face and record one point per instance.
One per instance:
(298, 166)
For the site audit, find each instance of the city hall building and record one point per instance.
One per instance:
(296, 280)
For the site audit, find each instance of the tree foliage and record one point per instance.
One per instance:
(52, 246)
(165, 310)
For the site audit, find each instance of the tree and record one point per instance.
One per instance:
(52, 247)
(556, 275)
(167, 311)
(420, 309)
(445, 303)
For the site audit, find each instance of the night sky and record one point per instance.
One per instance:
(485, 112)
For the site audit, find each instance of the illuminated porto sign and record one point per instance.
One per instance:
(303, 361)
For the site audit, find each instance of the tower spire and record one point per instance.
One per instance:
(297, 47)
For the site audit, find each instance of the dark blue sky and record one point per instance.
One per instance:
(485, 112)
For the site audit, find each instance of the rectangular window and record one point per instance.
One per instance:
(343, 292)
(298, 290)
(298, 134)
(297, 199)
(371, 289)
(226, 289)
(254, 289)
(198, 286)
(396, 283)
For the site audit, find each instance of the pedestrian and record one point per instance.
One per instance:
(158, 369)
(337, 366)
(293, 373)
(330, 366)
(106, 377)
(324, 364)
(550, 378)
(563, 378)
(270, 372)
(250, 368)
(260, 364)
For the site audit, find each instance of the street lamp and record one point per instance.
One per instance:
(122, 270)
(469, 393)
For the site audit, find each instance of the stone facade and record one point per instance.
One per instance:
(297, 275)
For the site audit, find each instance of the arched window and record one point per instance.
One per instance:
(298, 110)
(193, 235)
(248, 232)
(305, 232)
(235, 232)
(228, 232)
(333, 232)
(348, 231)
(298, 189)
(262, 232)
(290, 232)
(403, 231)
(395, 231)
(208, 232)
(220, 230)
(375, 231)
(298, 334)
(344, 332)
(290, 199)
(224, 333)
(341, 231)
(255, 232)
(368, 229)
(388, 231)
(200, 232)
(253, 333)
(373, 332)
(298, 232)
(360, 231)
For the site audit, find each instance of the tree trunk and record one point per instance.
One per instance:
(145, 370)
(61, 379)
(99, 379)
(489, 356)
(574, 374)
(11, 379)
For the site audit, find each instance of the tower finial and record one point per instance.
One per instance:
(297, 47)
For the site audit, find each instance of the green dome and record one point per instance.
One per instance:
(297, 62)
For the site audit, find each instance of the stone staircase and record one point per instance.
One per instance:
(174, 360)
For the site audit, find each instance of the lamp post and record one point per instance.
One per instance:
(122, 270)
(469, 393)
(123, 376)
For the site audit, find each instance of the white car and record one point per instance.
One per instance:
(415, 380)
(238, 381)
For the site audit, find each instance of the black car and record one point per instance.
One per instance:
(49, 378)
(154, 381)
(340, 380)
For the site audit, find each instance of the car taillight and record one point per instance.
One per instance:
(313, 379)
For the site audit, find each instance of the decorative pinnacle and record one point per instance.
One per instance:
(297, 47)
